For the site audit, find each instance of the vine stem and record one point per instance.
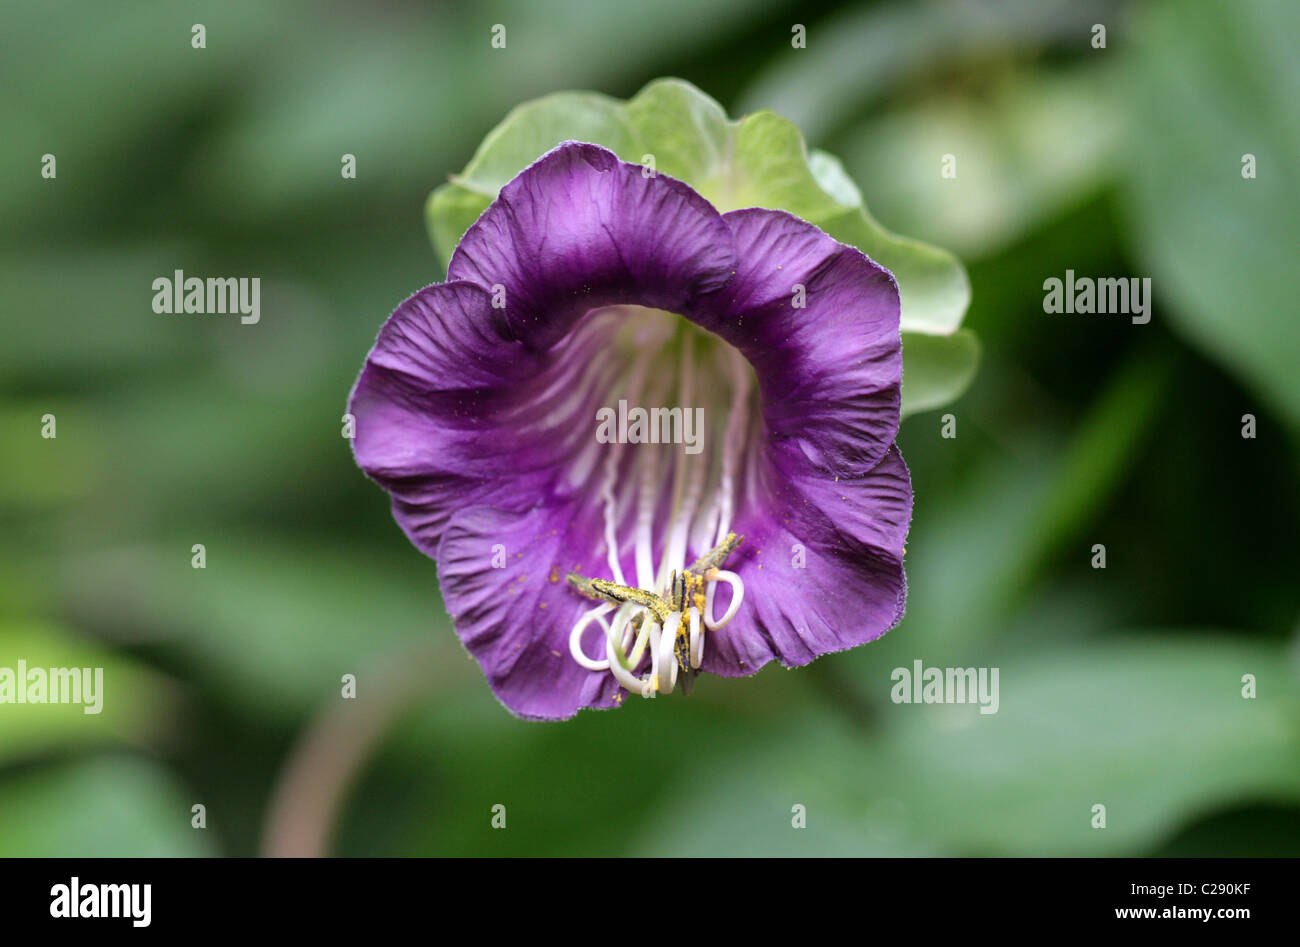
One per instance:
(324, 764)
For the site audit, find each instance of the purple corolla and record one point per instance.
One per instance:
(615, 387)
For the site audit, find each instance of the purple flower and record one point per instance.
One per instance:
(613, 381)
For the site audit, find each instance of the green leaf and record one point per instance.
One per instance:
(527, 132)
(1212, 82)
(932, 284)
(687, 132)
(760, 160)
(450, 211)
(121, 807)
(859, 56)
(937, 369)
(532, 129)
(747, 800)
(131, 700)
(1154, 728)
(268, 624)
(1033, 510)
(1009, 169)
(49, 471)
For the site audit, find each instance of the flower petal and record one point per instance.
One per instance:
(425, 405)
(515, 619)
(823, 568)
(819, 321)
(579, 229)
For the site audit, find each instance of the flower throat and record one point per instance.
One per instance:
(674, 495)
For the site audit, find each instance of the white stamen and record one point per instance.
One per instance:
(736, 422)
(625, 677)
(686, 486)
(638, 376)
(575, 637)
(666, 666)
(645, 521)
(737, 596)
(697, 638)
(642, 638)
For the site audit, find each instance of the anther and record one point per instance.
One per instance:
(672, 624)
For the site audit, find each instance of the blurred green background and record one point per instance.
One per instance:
(1119, 686)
